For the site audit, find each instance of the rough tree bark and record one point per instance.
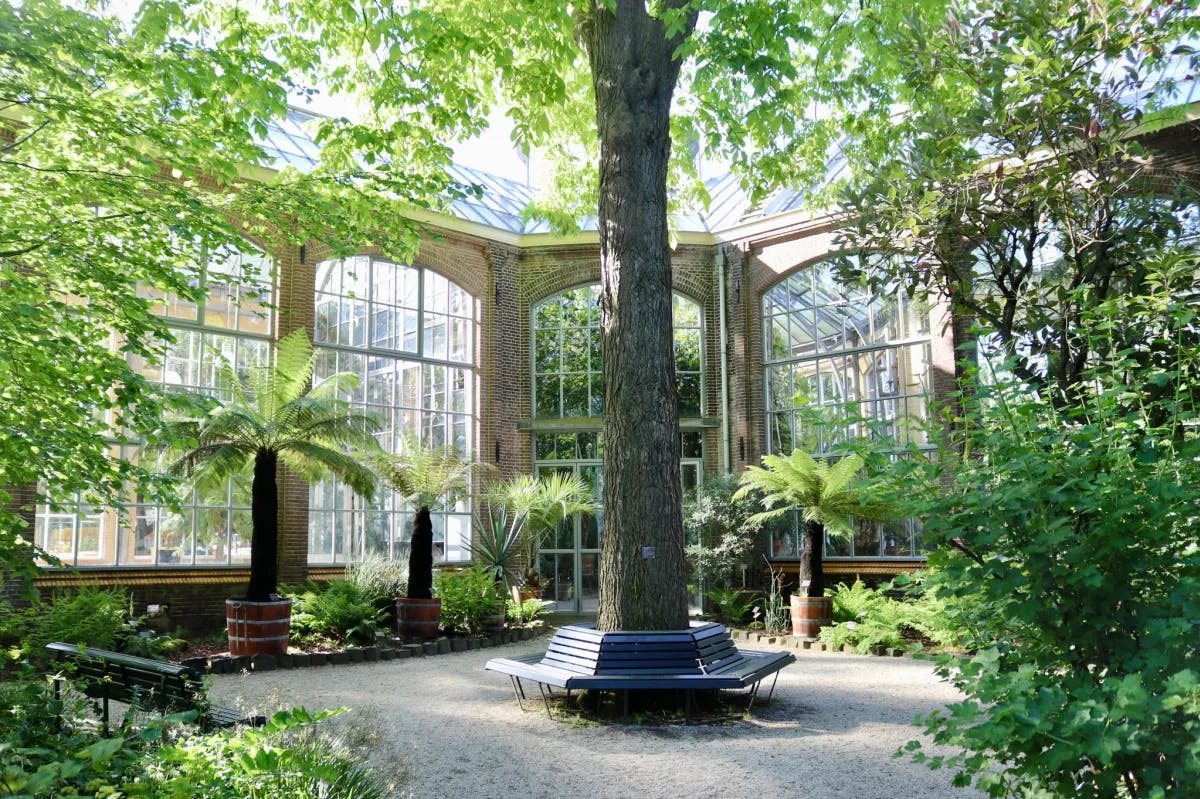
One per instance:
(812, 560)
(643, 575)
(264, 521)
(420, 556)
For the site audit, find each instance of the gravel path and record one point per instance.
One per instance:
(450, 729)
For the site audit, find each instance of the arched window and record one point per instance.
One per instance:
(568, 383)
(843, 363)
(568, 371)
(409, 335)
(235, 318)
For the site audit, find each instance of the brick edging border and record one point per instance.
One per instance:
(390, 649)
(816, 645)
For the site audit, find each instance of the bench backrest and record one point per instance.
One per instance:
(150, 684)
(704, 649)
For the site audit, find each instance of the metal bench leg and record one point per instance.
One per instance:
(753, 695)
(545, 701)
(518, 691)
(771, 693)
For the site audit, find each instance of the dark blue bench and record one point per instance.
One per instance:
(702, 658)
(147, 684)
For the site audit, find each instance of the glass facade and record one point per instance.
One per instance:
(235, 322)
(408, 333)
(841, 364)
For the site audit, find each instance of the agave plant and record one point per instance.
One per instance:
(825, 495)
(496, 543)
(536, 505)
(272, 416)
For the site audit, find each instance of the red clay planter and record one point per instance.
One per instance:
(418, 618)
(810, 614)
(258, 628)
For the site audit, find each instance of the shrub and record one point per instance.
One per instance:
(720, 540)
(284, 758)
(95, 617)
(52, 750)
(527, 611)
(339, 613)
(733, 605)
(469, 599)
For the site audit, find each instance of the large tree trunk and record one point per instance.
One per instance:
(643, 575)
(812, 560)
(264, 520)
(420, 557)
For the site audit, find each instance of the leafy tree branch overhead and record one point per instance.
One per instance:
(129, 155)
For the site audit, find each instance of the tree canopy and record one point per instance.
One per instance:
(130, 155)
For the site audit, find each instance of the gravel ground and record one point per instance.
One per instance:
(447, 728)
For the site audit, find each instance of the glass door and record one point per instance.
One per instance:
(569, 562)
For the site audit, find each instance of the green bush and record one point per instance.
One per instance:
(285, 758)
(721, 542)
(338, 613)
(469, 599)
(733, 605)
(52, 750)
(95, 617)
(529, 610)
(1068, 550)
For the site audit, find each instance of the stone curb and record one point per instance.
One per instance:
(389, 649)
(816, 645)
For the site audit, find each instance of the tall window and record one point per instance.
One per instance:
(568, 370)
(409, 335)
(236, 320)
(841, 364)
(568, 383)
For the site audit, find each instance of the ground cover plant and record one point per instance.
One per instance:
(97, 617)
(335, 614)
(470, 600)
(901, 614)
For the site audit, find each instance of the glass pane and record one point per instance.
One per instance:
(689, 394)
(546, 402)
(546, 351)
(575, 395)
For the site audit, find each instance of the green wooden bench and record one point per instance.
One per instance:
(702, 658)
(141, 682)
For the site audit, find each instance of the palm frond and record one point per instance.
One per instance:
(312, 461)
(822, 493)
(292, 373)
(421, 475)
(838, 478)
(335, 387)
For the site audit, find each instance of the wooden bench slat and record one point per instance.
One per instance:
(151, 684)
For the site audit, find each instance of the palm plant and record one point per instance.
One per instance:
(825, 495)
(422, 476)
(540, 504)
(271, 416)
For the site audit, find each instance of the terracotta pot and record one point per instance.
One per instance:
(418, 618)
(258, 628)
(810, 614)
